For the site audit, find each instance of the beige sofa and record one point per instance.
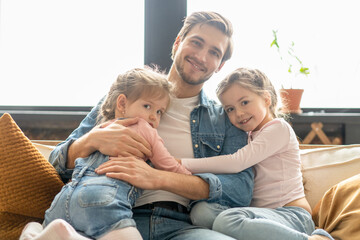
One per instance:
(24, 160)
(323, 165)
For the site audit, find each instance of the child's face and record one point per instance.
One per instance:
(246, 109)
(150, 109)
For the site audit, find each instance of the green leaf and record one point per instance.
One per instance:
(274, 43)
(304, 70)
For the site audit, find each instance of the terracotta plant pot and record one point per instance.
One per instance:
(291, 99)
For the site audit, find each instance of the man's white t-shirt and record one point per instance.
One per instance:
(174, 129)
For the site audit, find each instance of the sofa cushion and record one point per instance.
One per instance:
(325, 167)
(338, 211)
(28, 182)
(45, 150)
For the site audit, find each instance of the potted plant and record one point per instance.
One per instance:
(291, 97)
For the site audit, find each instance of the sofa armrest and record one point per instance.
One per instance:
(327, 165)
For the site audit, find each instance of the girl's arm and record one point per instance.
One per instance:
(272, 138)
(161, 158)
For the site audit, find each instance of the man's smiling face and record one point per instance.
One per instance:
(199, 54)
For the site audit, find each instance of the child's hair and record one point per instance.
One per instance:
(253, 80)
(134, 84)
(210, 18)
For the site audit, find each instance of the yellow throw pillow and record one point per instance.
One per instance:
(338, 211)
(28, 182)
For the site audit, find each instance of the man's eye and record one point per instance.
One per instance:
(196, 43)
(215, 53)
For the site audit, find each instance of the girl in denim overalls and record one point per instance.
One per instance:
(97, 206)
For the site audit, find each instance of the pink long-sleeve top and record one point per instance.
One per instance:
(161, 158)
(274, 153)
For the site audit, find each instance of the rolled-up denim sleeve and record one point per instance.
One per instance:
(58, 157)
(237, 189)
(215, 187)
(232, 190)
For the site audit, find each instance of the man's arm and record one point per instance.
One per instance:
(86, 139)
(140, 174)
(236, 189)
(114, 139)
(59, 156)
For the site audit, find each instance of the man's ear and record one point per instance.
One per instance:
(220, 67)
(176, 43)
(121, 103)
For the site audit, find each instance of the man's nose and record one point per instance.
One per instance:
(201, 55)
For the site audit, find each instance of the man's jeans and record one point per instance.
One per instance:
(162, 224)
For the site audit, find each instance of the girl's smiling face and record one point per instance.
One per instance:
(247, 110)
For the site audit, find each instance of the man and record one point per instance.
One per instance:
(193, 126)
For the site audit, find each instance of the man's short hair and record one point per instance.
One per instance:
(210, 18)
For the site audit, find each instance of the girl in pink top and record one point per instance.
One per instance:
(279, 209)
(98, 206)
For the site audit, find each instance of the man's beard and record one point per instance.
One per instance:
(187, 78)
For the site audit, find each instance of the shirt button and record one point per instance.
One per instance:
(196, 146)
(194, 121)
(218, 147)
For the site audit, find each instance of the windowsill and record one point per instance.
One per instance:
(46, 123)
(343, 124)
(53, 123)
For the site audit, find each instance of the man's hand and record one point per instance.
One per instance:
(132, 170)
(112, 138)
(138, 173)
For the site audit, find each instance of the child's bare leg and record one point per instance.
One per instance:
(318, 237)
(56, 230)
(31, 230)
(128, 233)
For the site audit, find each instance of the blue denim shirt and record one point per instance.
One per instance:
(212, 134)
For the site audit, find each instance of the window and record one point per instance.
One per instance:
(67, 53)
(326, 37)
